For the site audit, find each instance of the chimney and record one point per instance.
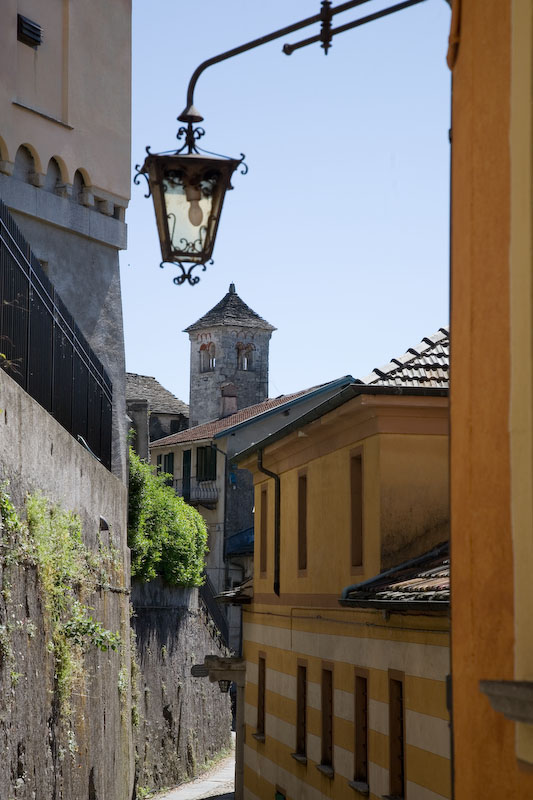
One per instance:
(229, 399)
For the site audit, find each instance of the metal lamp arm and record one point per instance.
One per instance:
(190, 114)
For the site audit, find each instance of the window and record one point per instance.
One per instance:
(301, 711)
(356, 500)
(206, 464)
(326, 763)
(302, 522)
(168, 467)
(245, 356)
(207, 357)
(159, 467)
(396, 735)
(361, 730)
(168, 463)
(261, 675)
(263, 531)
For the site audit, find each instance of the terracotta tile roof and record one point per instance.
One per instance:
(425, 579)
(144, 387)
(426, 364)
(231, 311)
(209, 429)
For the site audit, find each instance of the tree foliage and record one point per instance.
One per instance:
(167, 537)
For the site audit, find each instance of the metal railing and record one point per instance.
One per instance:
(207, 594)
(44, 351)
(197, 492)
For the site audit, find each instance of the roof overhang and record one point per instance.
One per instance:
(332, 403)
(440, 607)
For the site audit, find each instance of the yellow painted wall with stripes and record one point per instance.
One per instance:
(348, 638)
(403, 469)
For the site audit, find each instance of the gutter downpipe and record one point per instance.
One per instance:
(277, 516)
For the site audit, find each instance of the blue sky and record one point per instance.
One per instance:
(338, 235)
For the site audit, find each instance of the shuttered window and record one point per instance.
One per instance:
(301, 711)
(302, 522)
(206, 464)
(261, 674)
(263, 530)
(396, 738)
(356, 499)
(361, 729)
(168, 463)
(327, 718)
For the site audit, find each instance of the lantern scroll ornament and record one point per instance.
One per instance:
(188, 190)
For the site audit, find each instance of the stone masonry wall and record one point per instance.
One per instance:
(184, 721)
(205, 402)
(41, 757)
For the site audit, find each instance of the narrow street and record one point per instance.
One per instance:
(216, 784)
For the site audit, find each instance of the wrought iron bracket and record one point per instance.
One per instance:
(186, 273)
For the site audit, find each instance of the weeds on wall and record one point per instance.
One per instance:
(167, 537)
(50, 540)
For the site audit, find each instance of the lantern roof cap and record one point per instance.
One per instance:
(231, 310)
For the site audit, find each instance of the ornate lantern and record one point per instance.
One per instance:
(188, 191)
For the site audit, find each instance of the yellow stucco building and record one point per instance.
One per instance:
(346, 695)
(491, 57)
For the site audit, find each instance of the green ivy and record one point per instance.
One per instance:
(167, 537)
(50, 539)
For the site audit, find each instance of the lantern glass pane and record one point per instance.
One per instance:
(189, 208)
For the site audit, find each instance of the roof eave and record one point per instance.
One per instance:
(440, 607)
(346, 394)
(346, 379)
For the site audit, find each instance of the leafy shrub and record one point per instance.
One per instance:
(167, 537)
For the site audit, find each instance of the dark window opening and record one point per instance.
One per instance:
(245, 356)
(207, 357)
(301, 711)
(396, 738)
(327, 718)
(356, 499)
(261, 675)
(206, 464)
(302, 522)
(361, 729)
(168, 467)
(263, 531)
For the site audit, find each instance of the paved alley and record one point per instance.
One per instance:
(216, 784)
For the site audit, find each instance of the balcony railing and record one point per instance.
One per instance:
(196, 491)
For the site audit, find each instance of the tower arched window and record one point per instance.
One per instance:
(245, 356)
(207, 357)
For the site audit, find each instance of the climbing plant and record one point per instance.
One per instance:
(167, 537)
(50, 540)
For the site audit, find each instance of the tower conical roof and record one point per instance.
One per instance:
(231, 311)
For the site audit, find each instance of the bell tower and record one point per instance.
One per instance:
(229, 360)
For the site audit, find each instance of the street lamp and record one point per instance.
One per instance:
(188, 188)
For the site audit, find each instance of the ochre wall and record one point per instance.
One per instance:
(405, 496)
(61, 100)
(482, 553)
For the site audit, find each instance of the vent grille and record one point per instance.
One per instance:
(29, 32)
